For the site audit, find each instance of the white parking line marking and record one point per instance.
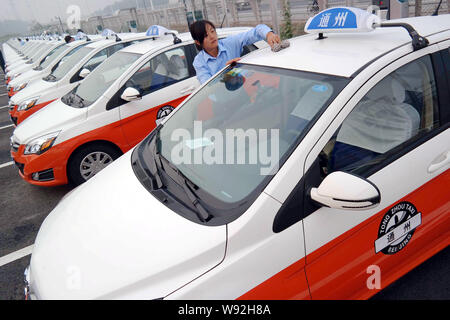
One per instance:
(9, 125)
(7, 164)
(4, 107)
(4, 94)
(16, 255)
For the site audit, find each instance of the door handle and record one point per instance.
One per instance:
(187, 90)
(439, 162)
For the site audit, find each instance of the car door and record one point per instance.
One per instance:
(163, 82)
(397, 137)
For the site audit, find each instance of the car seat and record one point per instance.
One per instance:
(177, 68)
(379, 123)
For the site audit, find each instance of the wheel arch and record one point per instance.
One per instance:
(90, 143)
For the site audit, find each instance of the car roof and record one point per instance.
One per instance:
(343, 54)
(154, 45)
(112, 39)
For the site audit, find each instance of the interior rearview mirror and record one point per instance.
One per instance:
(131, 94)
(341, 190)
(84, 73)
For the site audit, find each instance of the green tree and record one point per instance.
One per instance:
(286, 29)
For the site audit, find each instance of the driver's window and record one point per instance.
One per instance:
(163, 70)
(396, 111)
(98, 58)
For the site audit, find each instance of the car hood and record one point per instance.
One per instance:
(111, 239)
(24, 68)
(53, 117)
(24, 77)
(33, 89)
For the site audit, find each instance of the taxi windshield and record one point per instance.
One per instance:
(66, 66)
(241, 127)
(52, 56)
(104, 75)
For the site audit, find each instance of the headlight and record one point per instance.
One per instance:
(28, 104)
(41, 144)
(18, 88)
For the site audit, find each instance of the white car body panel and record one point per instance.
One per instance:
(184, 249)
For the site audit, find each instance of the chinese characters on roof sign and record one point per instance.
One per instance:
(156, 31)
(342, 19)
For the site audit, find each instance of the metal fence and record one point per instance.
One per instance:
(239, 13)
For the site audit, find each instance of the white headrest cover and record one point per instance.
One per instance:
(389, 89)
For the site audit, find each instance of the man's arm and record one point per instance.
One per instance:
(251, 36)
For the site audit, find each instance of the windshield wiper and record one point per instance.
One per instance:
(50, 78)
(201, 212)
(156, 159)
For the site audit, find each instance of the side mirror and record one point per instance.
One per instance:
(341, 190)
(84, 73)
(131, 94)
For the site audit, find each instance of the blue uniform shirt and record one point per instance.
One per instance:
(229, 48)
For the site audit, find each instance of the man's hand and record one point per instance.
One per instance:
(232, 60)
(272, 39)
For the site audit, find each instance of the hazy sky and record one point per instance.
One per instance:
(46, 10)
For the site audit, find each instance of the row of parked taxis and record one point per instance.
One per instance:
(96, 111)
(357, 196)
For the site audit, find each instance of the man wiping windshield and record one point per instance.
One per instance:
(215, 54)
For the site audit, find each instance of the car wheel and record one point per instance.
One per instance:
(89, 160)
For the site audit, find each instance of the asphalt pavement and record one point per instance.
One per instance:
(23, 208)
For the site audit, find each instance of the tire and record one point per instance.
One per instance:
(89, 160)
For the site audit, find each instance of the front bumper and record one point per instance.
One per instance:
(47, 169)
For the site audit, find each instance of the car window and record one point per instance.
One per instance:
(163, 70)
(277, 105)
(65, 66)
(116, 47)
(102, 78)
(399, 109)
(98, 58)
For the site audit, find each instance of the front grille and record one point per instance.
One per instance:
(21, 166)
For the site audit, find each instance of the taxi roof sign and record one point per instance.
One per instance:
(342, 19)
(107, 33)
(156, 31)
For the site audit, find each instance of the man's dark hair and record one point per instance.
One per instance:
(67, 38)
(198, 31)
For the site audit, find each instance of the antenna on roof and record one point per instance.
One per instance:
(117, 38)
(176, 40)
(223, 20)
(436, 12)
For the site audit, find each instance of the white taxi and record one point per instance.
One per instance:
(317, 172)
